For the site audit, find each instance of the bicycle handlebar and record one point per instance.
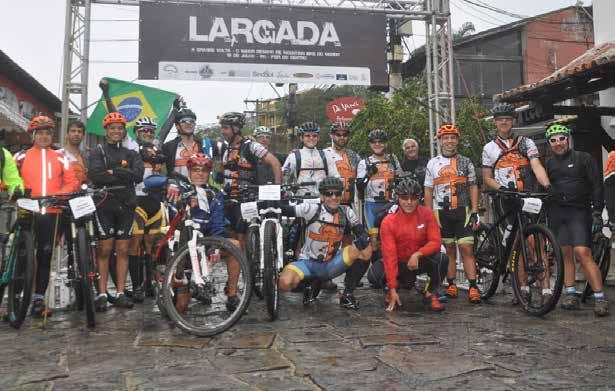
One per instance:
(88, 191)
(518, 194)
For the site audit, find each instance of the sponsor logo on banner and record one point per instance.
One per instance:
(329, 76)
(282, 75)
(344, 109)
(262, 74)
(341, 76)
(303, 75)
(170, 68)
(206, 72)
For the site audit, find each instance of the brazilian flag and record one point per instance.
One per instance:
(133, 101)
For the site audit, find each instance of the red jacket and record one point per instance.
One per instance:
(402, 234)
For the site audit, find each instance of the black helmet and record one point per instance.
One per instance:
(309, 127)
(330, 183)
(184, 113)
(340, 126)
(503, 110)
(378, 134)
(408, 186)
(233, 118)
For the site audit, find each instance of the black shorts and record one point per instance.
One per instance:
(149, 218)
(454, 225)
(232, 212)
(114, 220)
(571, 226)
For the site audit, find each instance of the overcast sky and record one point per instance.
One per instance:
(32, 34)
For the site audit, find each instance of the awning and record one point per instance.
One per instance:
(592, 71)
(10, 119)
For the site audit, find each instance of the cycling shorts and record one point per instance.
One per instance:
(571, 226)
(232, 212)
(454, 225)
(114, 220)
(308, 269)
(372, 210)
(149, 218)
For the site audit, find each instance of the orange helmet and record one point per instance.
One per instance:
(113, 117)
(200, 159)
(448, 129)
(41, 122)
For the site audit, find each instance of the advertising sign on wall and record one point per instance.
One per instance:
(344, 109)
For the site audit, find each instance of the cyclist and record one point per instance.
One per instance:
(72, 149)
(411, 240)
(323, 256)
(149, 218)
(307, 164)
(413, 163)
(44, 172)
(185, 145)
(576, 214)
(9, 175)
(450, 189)
(511, 163)
(111, 164)
(264, 172)
(211, 223)
(240, 160)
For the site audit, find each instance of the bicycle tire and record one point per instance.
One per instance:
(555, 256)
(159, 266)
(86, 270)
(18, 308)
(253, 254)
(602, 254)
(167, 287)
(270, 277)
(487, 254)
(2, 286)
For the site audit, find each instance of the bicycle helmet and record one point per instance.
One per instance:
(41, 122)
(503, 110)
(557, 129)
(261, 131)
(340, 127)
(145, 122)
(184, 113)
(330, 183)
(448, 129)
(377, 134)
(200, 159)
(309, 127)
(233, 118)
(113, 118)
(408, 186)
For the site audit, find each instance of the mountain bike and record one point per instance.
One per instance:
(17, 262)
(201, 269)
(601, 252)
(522, 249)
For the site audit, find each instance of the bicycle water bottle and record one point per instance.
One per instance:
(507, 234)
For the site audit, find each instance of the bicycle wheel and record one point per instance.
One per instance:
(21, 279)
(602, 255)
(254, 258)
(543, 270)
(487, 254)
(203, 311)
(86, 275)
(270, 278)
(158, 271)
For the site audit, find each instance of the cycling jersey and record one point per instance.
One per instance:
(402, 234)
(311, 167)
(345, 162)
(152, 164)
(450, 178)
(78, 164)
(177, 155)
(240, 163)
(510, 161)
(149, 218)
(377, 186)
(46, 172)
(10, 174)
(416, 167)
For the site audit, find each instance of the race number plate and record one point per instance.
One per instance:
(82, 206)
(269, 193)
(28, 204)
(532, 205)
(249, 210)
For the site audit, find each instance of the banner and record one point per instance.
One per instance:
(263, 43)
(344, 109)
(133, 101)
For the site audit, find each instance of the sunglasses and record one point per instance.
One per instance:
(199, 169)
(381, 142)
(147, 130)
(332, 193)
(345, 135)
(187, 121)
(311, 135)
(408, 197)
(559, 139)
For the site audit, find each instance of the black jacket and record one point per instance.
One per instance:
(169, 150)
(111, 157)
(576, 178)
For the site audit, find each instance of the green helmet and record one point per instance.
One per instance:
(557, 129)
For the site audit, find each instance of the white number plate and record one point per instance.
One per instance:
(249, 210)
(28, 204)
(82, 206)
(532, 205)
(269, 193)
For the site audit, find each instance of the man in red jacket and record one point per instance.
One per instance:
(411, 245)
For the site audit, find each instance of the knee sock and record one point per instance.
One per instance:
(354, 275)
(135, 267)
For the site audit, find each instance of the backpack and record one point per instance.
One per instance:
(343, 218)
(300, 168)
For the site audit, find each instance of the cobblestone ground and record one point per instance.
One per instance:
(487, 347)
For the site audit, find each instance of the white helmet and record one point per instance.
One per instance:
(261, 131)
(144, 122)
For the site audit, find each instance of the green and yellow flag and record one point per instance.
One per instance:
(133, 101)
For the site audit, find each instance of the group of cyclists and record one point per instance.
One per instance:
(415, 217)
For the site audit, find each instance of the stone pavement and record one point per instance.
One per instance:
(487, 347)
